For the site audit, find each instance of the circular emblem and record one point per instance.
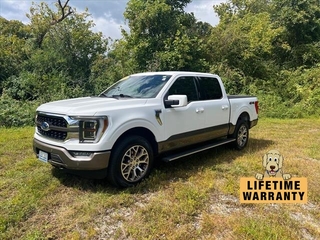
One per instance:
(45, 126)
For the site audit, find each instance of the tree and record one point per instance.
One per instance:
(157, 28)
(234, 9)
(13, 35)
(246, 44)
(43, 18)
(109, 68)
(301, 20)
(61, 52)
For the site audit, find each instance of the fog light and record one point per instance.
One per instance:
(81, 154)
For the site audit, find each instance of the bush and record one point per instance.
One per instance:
(293, 94)
(14, 113)
(287, 94)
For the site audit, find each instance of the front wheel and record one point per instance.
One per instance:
(130, 162)
(241, 134)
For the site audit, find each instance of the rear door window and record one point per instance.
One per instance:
(210, 88)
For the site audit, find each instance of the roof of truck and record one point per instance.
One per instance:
(175, 73)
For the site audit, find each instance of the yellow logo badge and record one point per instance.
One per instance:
(274, 186)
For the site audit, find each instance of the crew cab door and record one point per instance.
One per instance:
(216, 106)
(182, 124)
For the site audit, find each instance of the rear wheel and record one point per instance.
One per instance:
(131, 162)
(241, 134)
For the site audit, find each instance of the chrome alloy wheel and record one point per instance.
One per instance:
(242, 136)
(134, 163)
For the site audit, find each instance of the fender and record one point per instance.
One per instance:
(120, 129)
(236, 111)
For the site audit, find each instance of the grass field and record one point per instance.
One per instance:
(191, 198)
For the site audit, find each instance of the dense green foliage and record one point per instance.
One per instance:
(269, 48)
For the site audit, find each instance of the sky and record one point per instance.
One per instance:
(107, 15)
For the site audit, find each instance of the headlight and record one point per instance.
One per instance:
(88, 130)
(91, 129)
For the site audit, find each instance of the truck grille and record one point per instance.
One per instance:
(59, 135)
(57, 127)
(52, 120)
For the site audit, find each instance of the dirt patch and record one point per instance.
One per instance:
(110, 223)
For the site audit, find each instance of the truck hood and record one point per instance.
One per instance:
(89, 106)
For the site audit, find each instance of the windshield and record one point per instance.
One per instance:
(140, 86)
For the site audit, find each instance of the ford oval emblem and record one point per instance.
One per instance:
(45, 126)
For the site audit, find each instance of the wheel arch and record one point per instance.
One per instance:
(142, 132)
(244, 116)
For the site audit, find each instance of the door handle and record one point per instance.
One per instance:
(225, 107)
(199, 110)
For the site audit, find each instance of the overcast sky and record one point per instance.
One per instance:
(107, 14)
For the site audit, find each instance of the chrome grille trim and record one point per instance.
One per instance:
(54, 121)
(61, 128)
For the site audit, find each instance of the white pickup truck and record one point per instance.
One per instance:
(140, 119)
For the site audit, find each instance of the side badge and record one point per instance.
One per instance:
(157, 112)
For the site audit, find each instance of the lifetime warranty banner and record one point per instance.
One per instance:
(273, 190)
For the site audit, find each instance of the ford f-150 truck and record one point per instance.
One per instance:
(140, 119)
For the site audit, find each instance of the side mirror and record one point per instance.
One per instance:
(176, 101)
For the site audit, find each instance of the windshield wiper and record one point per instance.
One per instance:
(122, 96)
(117, 96)
(106, 96)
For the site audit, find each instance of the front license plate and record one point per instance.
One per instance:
(43, 156)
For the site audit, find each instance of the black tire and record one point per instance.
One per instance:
(130, 162)
(241, 134)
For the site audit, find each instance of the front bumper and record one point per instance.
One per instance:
(60, 157)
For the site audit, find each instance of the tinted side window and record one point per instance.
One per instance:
(184, 86)
(210, 88)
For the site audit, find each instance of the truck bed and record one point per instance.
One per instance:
(239, 96)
